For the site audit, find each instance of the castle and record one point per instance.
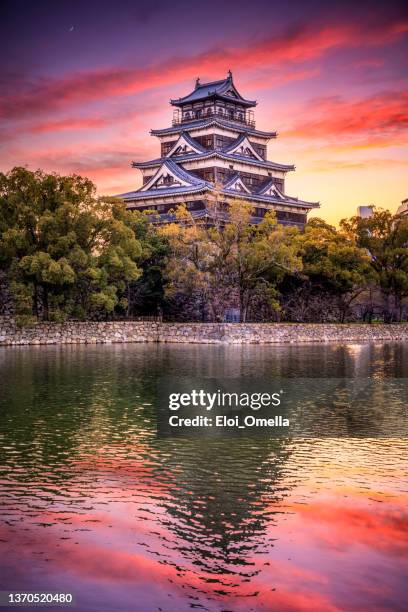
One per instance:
(214, 149)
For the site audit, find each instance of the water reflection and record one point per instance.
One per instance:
(94, 503)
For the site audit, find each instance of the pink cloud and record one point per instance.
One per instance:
(68, 124)
(297, 46)
(335, 117)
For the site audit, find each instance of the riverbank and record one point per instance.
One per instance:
(109, 332)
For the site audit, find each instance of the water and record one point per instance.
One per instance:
(93, 502)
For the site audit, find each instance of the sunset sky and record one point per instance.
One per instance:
(82, 83)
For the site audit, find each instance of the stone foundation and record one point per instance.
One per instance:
(203, 333)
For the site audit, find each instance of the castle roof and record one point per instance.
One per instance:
(224, 89)
(183, 183)
(210, 122)
(187, 145)
(180, 173)
(186, 183)
(221, 154)
(168, 191)
(206, 213)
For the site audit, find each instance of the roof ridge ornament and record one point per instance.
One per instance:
(224, 87)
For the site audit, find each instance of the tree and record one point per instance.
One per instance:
(230, 259)
(335, 272)
(147, 293)
(258, 256)
(65, 250)
(385, 239)
(193, 265)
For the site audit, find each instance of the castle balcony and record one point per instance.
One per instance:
(244, 117)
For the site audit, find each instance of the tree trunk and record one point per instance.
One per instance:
(243, 305)
(35, 300)
(246, 304)
(46, 312)
(387, 310)
(398, 308)
(128, 300)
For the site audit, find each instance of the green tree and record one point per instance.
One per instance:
(193, 265)
(147, 294)
(65, 250)
(385, 238)
(230, 259)
(258, 256)
(337, 270)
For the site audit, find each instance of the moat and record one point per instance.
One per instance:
(95, 503)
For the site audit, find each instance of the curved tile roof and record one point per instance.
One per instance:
(183, 174)
(219, 89)
(205, 212)
(208, 122)
(191, 141)
(195, 184)
(145, 195)
(202, 186)
(236, 177)
(286, 200)
(221, 154)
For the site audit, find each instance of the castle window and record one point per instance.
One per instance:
(168, 179)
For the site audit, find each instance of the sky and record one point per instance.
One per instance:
(82, 84)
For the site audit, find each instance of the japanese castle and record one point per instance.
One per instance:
(213, 150)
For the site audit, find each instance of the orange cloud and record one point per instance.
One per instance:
(325, 165)
(382, 114)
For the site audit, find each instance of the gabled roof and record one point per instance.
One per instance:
(211, 153)
(181, 178)
(183, 183)
(242, 147)
(235, 183)
(256, 197)
(160, 194)
(186, 145)
(224, 89)
(163, 192)
(210, 122)
(271, 189)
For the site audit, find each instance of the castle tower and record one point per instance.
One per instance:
(213, 147)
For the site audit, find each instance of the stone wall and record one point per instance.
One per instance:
(203, 333)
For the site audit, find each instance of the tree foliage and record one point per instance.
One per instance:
(70, 254)
(67, 252)
(335, 272)
(385, 239)
(231, 259)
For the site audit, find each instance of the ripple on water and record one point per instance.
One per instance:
(94, 502)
